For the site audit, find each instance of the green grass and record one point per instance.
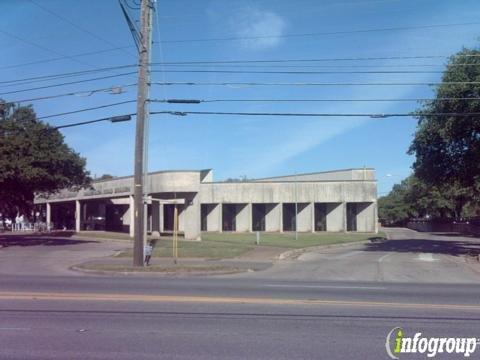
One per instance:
(287, 240)
(229, 245)
(197, 249)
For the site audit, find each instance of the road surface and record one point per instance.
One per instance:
(337, 315)
(408, 257)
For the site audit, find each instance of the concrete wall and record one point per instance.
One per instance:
(304, 217)
(335, 214)
(366, 217)
(305, 192)
(273, 217)
(244, 218)
(167, 181)
(214, 217)
(190, 218)
(334, 188)
(339, 175)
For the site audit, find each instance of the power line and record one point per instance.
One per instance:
(112, 119)
(313, 34)
(368, 58)
(42, 47)
(68, 83)
(65, 57)
(78, 27)
(113, 89)
(370, 115)
(214, 66)
(315, 83)
(90, 53)
(320, 100)
(25, 81)
(86, 109)
(304, 72)
(34, 79)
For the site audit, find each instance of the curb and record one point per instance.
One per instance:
(156, 273)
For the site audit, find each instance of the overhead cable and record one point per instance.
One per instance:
(68, 83)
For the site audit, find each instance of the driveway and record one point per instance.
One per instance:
(408, 256)
(27, 254)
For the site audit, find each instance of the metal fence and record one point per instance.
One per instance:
(467, 226)
(32, 227)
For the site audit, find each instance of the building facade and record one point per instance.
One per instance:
(343, 200)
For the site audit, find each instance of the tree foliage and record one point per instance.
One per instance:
(413, 198)
(33, 158)
(447, 148)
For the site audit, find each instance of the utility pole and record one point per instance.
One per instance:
(296, 210)
(140, 133)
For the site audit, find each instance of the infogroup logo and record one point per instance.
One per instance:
(397, 343)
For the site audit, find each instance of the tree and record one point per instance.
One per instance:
(105, 177)
(413, 198)
(33, 159)
(394, 208)
(447, 148)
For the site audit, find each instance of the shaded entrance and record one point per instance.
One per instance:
(259, 213)
(205, 211)
(352, 212)
(63, 216)
(229, 212)
(320, 217)
(289, 218)
(114, 218)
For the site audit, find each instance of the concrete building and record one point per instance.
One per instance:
(343, 200)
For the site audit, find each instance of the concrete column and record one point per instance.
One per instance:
(366, 217)
(272, 217)
(214, 222)
(132, 216)
(181, 217)
(304, 217)
(375, 204)
(244, 218)
(191, 217)
(162, 217)
(335, 217)
(49, 215)
(280, 217)
(155, 216)
(344, 209)
(78, 215)
(220, 217)
(250, 215)
(312, 206)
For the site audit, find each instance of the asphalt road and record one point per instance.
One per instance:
(408, 257)
(264, 315)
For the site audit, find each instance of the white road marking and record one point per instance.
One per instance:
(384, 257)
(348, 254)
(328, 287)
(426, 257)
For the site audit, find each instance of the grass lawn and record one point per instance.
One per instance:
(228, 245)
(199, 249)
(287, 240)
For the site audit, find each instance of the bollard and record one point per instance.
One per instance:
(258, 238)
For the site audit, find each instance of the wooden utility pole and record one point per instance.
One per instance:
(141, 135)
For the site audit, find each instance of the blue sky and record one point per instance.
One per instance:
(238, 146)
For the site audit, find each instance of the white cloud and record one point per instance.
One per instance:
(260, 27)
